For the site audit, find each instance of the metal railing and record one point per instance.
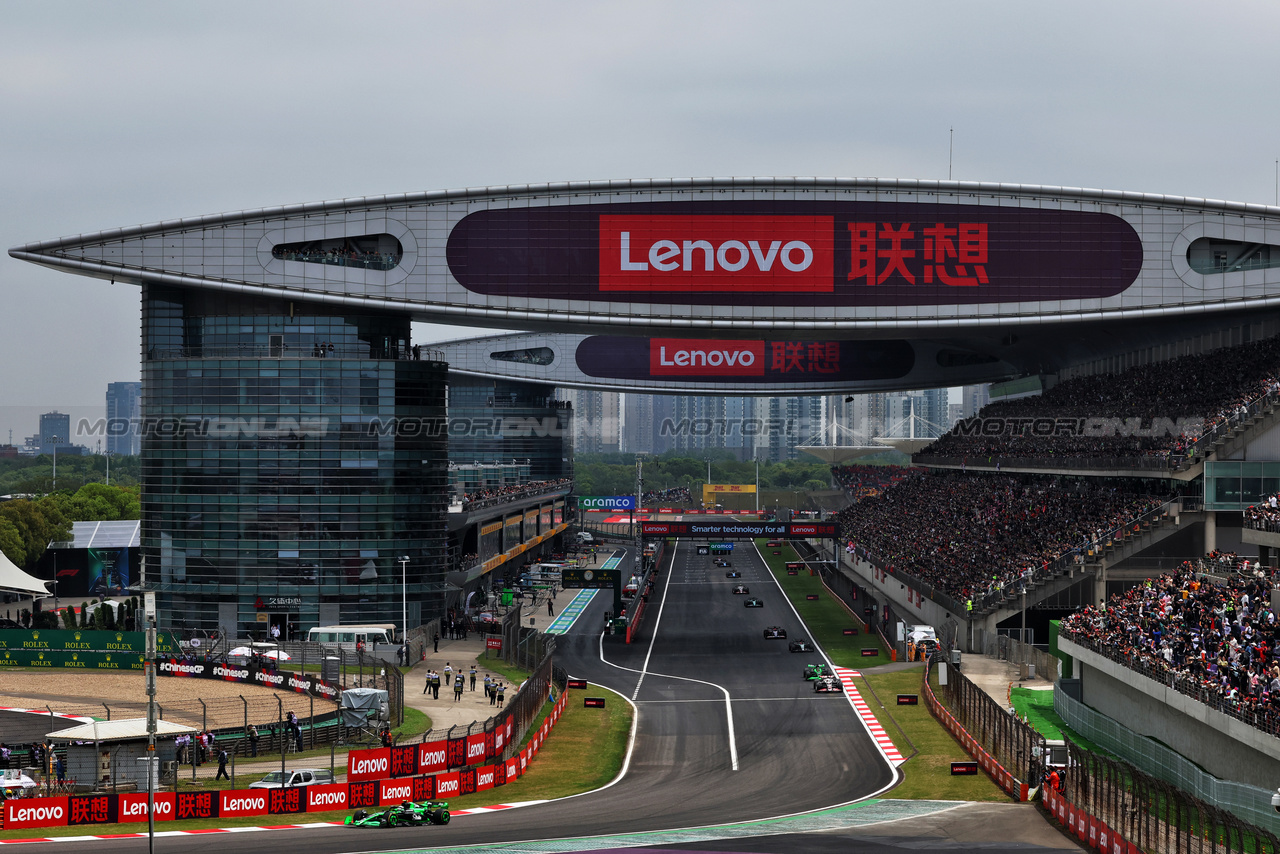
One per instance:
(1014, 744)
(1250, 803)
(1259, 717)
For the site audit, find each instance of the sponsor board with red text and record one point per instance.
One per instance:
(238, 802)
(369, 764)
(766, 362)
(132, 806)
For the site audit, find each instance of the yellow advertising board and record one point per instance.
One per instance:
(710, 490)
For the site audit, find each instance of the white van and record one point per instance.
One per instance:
(586, 539)
(349, 637)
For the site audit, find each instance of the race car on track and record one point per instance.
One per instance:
(741, 588)
(754, 603)
(800, 645)
(409, 812)
(817, 671)
(775, 633)
(733, 573)
(722, 562)
(828, 684)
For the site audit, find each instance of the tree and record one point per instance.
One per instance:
(11, 542)
(84, 615)
(69, 617)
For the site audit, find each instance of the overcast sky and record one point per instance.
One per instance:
(122, 113)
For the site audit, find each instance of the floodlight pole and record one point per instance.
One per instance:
(404, 601)
(149, 665)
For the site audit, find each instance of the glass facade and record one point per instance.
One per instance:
(292, 452)
(1237, 484)
(504, 421)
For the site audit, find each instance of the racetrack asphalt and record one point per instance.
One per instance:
(795, 751)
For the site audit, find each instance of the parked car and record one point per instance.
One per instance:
(292, 779)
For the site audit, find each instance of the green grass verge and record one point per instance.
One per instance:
(826, 616)
(584, 751)
(928, 773)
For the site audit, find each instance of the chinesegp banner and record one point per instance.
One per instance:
(251, 674)
(369, 764)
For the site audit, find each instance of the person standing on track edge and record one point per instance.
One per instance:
(435, 642)
(473, 677)
(222, 765)
(551, 612)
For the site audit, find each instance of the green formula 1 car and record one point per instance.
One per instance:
(816, 671)
(408, 813)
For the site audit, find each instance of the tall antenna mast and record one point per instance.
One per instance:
(951, 152)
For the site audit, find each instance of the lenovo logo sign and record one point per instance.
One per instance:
(675, 357)
(647, 252)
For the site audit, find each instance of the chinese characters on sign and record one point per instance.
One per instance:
(953, 255)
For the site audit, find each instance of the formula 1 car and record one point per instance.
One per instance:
(722, 562)
(741, 588)
(828, 684)
(733, 573)
(817, 671)
(775, 633)
(754, 603)
(800, 645)
(409, 812)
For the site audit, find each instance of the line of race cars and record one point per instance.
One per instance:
(823, 678)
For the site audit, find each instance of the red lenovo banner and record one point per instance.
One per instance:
(237, 802)
(133, 806)
(513, 768)
(433, 756)
(741, 254)
(485, 777)
(394, 791)
(681, 357)
(369, 764)
(92, 809)
(448, 785)
(322, 798)
(475, 748)
(36, 812)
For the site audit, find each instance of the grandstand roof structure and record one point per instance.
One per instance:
(715, 285)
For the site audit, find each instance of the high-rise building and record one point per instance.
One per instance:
(293, 454)
(596, 420)
(124, 409)
(55, 429)
(973, 398)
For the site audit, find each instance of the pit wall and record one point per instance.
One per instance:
(376, 786)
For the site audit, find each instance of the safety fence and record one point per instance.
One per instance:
(1006, 748)
(1250, 803)
(438, 768)
(1113, 807)
(1006, 648)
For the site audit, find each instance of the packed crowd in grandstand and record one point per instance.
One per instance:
(1214, 641)
(515, 490)
(676, 496)
(972, 534)
(1264, 516)
(1206, 391)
